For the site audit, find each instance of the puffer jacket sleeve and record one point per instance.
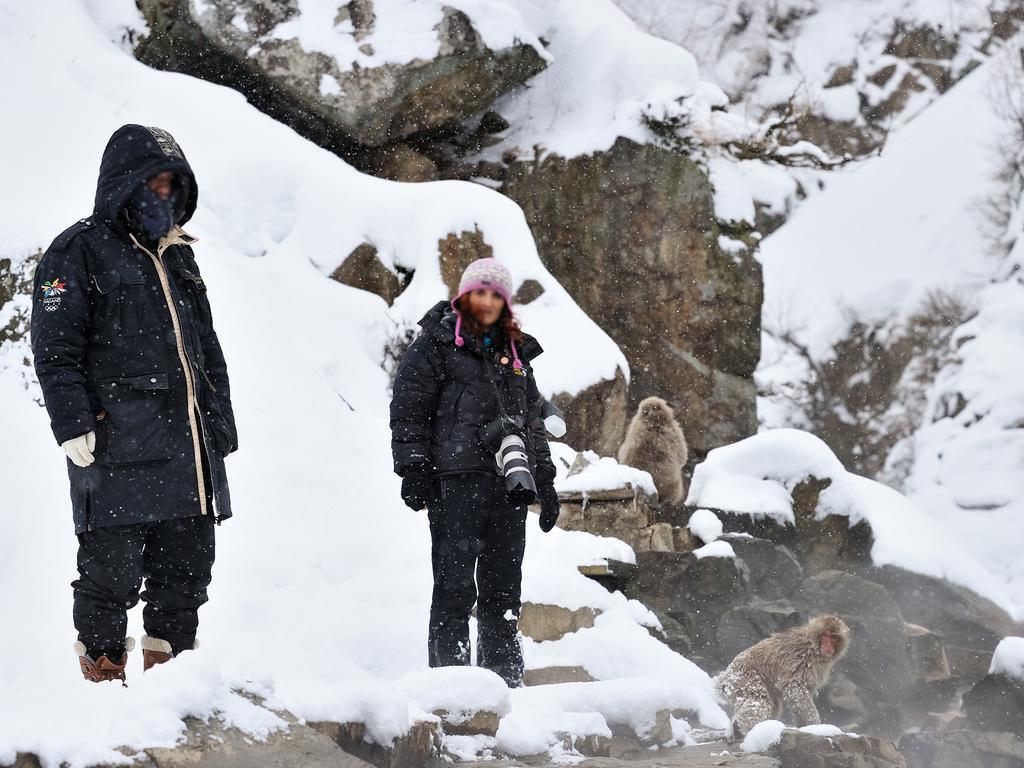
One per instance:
(60, 315)
(414, 405)
(542, 451)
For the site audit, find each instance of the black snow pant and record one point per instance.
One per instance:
(473, 528)
(175, 557)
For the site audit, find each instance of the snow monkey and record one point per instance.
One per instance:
(655, 443)
(785, 669)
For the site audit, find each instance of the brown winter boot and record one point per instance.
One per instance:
(103, 669)
(155, 651)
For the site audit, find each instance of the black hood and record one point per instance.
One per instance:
(133, 154)
(440, 323)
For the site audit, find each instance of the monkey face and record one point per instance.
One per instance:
(655, 411)
(829, 644)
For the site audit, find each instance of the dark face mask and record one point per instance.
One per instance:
(149, 216)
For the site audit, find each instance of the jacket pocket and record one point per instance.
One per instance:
(129, 300)
(136, 424)
(138, 302)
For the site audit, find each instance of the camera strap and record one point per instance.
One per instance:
(490, 368)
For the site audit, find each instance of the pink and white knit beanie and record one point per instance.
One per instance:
(485, 273)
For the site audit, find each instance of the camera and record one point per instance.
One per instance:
(504, 436)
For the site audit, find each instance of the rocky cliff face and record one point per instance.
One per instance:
(631, 233)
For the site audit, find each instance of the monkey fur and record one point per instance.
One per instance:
(656, 444)
(785, 669)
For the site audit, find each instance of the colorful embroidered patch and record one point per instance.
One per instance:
(54, 287)
(51, 293)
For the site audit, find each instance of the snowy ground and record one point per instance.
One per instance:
(320, 594)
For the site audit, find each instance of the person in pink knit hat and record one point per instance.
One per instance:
(469, 442)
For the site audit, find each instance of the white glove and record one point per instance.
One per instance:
(79, 449)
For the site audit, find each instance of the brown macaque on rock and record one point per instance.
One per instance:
(783, 670)
(655, 443)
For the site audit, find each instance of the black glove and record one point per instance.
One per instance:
(549, 507)
(417, 488)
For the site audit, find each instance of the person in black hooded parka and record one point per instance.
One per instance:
(137, 391)
(470, 365)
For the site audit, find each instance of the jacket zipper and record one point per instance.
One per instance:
(206, 378)
(190, 385)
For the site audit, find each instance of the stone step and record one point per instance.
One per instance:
(613, 575)
(481, 723)
(555, 675)
(542, 622)
(413, 750)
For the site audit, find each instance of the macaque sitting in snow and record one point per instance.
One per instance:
(785, 669)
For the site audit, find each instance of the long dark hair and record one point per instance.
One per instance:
(507, 325)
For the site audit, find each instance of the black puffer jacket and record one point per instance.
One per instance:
(444, 394)
(113, 358)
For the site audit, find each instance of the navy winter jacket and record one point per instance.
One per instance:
(124, 345)
(444, 394)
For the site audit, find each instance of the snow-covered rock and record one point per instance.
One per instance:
(759, 475)
(370, 72)
(855, 73)
(1008, 658)
(705, 525)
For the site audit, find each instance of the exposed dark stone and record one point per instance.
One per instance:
(745, 625)
(457, 252)
(963, 749)
(841, 704)
(970, 625)
(693, 591)
(797, 749)
(492, 122)
(529, 291)
(596, 417)
(996, 703)
(400, 162)
(364, 270)
(842, 76)
(774, 570)
(673, 633)
(16, 280)
(412, 750)
(922, 42)
(210, 744)
(883, 76)
(896, 101)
